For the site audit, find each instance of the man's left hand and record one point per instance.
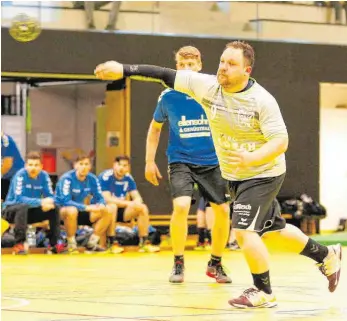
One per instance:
(240, 159)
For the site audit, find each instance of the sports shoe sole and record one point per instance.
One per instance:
(265, 305)
(176, 281)
(213, 276)
(338, 273)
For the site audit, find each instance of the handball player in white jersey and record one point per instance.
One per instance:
(250, 139)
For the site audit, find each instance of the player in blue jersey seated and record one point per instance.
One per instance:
(73, 190)
(117, 186)
(192, 159)
(31, 200)
(11, 162)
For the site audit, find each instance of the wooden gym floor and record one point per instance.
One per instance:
(134, 286)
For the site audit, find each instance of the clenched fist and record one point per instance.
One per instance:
(110, 70)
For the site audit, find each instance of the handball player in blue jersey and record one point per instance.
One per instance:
(31, 200)
(11, 162)
(120, 191)
(79, 197)
(192, 159)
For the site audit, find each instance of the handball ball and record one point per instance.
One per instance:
(25, 28)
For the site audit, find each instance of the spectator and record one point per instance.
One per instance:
(344, 6)
(89, 7)
(330, 5)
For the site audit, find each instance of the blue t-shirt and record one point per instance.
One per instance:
(26, 190)
(118, 187)
(10, 149)
(190, 139)
(70, 191)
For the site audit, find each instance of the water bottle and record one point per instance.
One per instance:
(31, 236)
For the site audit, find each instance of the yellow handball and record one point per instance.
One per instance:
(25, 28)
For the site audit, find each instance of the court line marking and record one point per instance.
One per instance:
(22, 303)
(132, 304)
(95, 317)
(231, 310)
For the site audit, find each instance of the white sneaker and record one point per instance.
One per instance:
(116, 249)
(331, 266)
(72, 248)
(149, 248)
(254, 298)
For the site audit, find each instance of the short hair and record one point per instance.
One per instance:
(188, 52)
(33, 156)
(247, 50)
(81, 157)
(122, 157)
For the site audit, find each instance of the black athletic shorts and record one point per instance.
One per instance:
(83, 218)
(255, 207)
(5, 186)
(120, 215)
(212, 186)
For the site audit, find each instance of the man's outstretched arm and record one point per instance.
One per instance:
(113, 70)
(194, 84)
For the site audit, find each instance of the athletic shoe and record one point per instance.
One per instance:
(20, 249)
(217, 272)
(116, 249)
(233, 246)
(177, 274)
(149, 248)
(95, 249)
(200, 247)
(72, 248)
(208, 246)
(254, 298)
(57, 249)
(331, 266)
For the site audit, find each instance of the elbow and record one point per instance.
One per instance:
(153, 134)
(284, 144)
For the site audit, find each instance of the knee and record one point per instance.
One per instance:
(112, 209)
(144, 210)
(246, 238)
(139, 210)
(70, 212)
(240, 236)
(181, 209)
(222, 211)
(107, 214)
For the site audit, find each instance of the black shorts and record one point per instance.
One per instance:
(120, 215)
(212, 186)
(83, 218)
(255, 207)
(5, 186)
(34, 214)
